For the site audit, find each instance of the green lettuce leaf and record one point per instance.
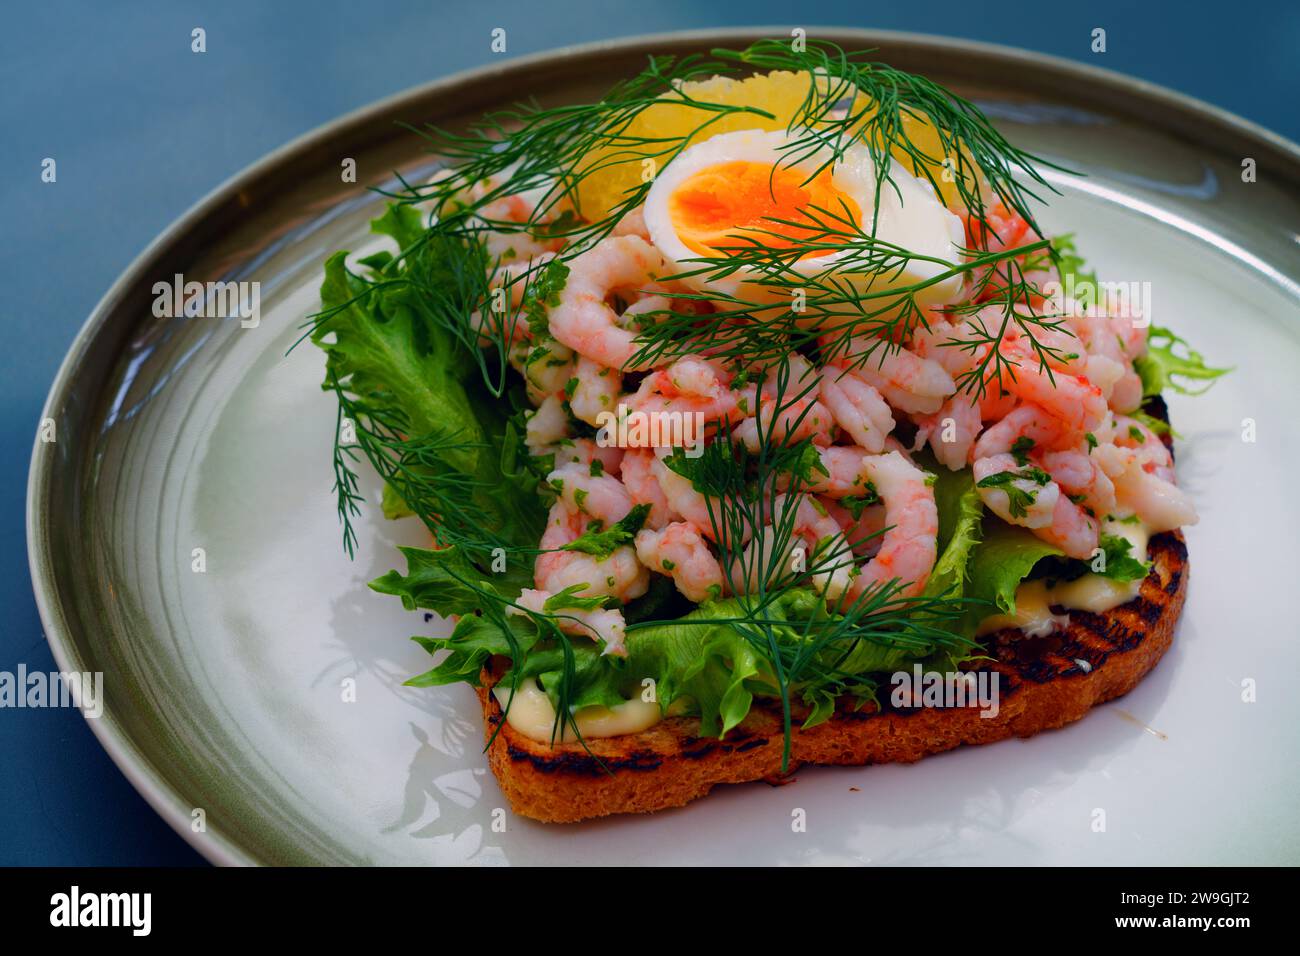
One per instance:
(472, 643)
(393, 506)
(443, 581)
(1163, 368)
(396, 359)
(700, 656)
(960, 510)
(401, 222)
(709, 658)
(1004, 557)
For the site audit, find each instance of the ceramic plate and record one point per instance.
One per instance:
(229, 691)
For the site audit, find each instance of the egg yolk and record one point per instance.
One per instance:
(721, 205)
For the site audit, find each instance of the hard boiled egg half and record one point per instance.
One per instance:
(726, 191)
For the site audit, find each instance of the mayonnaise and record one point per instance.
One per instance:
(1091, 592)
(533, 716)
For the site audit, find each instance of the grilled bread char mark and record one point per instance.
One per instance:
(1045, 683)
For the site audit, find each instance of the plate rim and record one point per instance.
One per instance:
(1177, 111)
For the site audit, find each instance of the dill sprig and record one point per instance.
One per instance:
(551, 646)
(753, 499)
(414, 467)
(406, 308)
(528, 148)
(851, 311)
(852, 99)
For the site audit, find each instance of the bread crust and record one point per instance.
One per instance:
(1044, 683)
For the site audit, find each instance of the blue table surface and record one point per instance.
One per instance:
(141, 128)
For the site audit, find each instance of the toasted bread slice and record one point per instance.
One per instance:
(1045, 683)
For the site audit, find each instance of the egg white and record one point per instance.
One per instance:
(910, 216)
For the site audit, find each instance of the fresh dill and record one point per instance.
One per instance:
(459, 295)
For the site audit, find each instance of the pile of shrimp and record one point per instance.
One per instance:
(1059, 443)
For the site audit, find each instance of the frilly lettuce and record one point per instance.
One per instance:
(1162, 368)
(960, 510)
(714, 657)
(399, 368)
(700, 656)
(1005, 556)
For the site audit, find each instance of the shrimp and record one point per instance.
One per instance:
(509, 323)
(1149, 449)
(648, 304)
(585, 452)
(583, 319)
(546, 427)
(1113, 379)
(505, 215)
(784, 409)
(1045, 507)
(601, 624)
(1145, 488)
(1081, 477)
(679, 551)
(1060, 348)
(619, 575)
(640, 481)
(908, 382)
(857, 408)
(1035, 499)
(802, 538)
(683, 499)
(785, 422)
(1025, 422)
(948, 343)
(1019, 495)
(845, 474)
(1161, 505)
(1121, 334)
(1110, 362)
(691, 385)
(546, 365)
(767, 559)
(595, 389)
(909, 546)
(602, 497)
(864, 532)
(996, 404)
(1133, 332)
(1054, 379)
(1071, 399)
(828, 556)
(546, 433)
(951, 431)
(632, 224)
(997, 230)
